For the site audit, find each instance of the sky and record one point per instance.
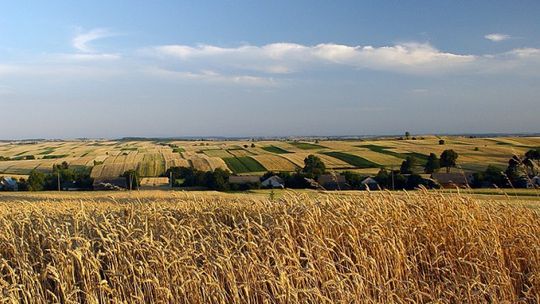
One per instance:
(111, 69)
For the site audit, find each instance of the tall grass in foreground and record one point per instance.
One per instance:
(367, 248)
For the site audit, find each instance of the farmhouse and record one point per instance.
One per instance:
(118, 183)
(369, 184)
(312, 184)
(8, 184)
(273, 182)
(536, 181)
(244, 179)
(154, 183)
(333, 182)
(453, 180)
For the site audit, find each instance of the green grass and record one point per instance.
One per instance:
(353, 160)
(276, 150)
(46, 151)
(384, 150)
(54, 156)
(243, 164)
(178, 150)
(129, 149)
(306, 146)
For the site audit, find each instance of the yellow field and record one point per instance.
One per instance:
(302, 247)
(153, 158)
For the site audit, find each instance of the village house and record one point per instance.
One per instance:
(536, 181)
(369, 184)
(273, 182)
(453, 180)
(8, 184)
(116, 183)
(333, 182)
(244, 179)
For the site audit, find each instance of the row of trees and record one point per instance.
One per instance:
(62, 176)
(447, 160)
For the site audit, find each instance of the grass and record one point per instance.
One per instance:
(51, 156)
(305, 145)
(243, 164)
(353, 160)
(174, 247)
(276, 150)
(178, 150)
(46, 151)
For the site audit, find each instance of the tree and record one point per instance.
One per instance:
(407, 165)
(217, 180)
(414, 181)
(441, 141)
(448, 159)
(36, 181)
(534, 154)
(313, 166)
(492, 176)
(390, 180)
(132, 179)
(407, 135)
(354, 179)
(516, 172)
(433, 164)
(253, 145)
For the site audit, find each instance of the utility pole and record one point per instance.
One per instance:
(392, 172)
(130, 181)
(58, 179)
(170, 179)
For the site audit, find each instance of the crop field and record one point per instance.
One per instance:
(300, 247)
(275, 150)
(306, 146)
(244, 164)
(353, 160)
(152, 158)
(275, 163)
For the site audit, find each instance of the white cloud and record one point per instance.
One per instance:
(81, 41)
(496, 37)
(278, 58)
(212, 76)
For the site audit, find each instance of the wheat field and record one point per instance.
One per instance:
(313, 247)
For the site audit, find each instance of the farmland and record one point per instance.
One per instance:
(299, 247)
(109, 158)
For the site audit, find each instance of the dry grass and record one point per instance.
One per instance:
(167, 247)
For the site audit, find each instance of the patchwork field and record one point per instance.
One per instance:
(153, 158)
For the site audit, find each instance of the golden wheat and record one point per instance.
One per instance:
(175, 247)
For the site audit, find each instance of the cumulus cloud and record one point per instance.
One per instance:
(81, 42)
(281, 58)
(496, 37)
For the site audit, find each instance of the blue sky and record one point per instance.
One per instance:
(267, 68)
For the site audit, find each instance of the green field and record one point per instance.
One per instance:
(46, 151)
(243, 164)
(353, 160)
(306, 146)
(276, 150)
